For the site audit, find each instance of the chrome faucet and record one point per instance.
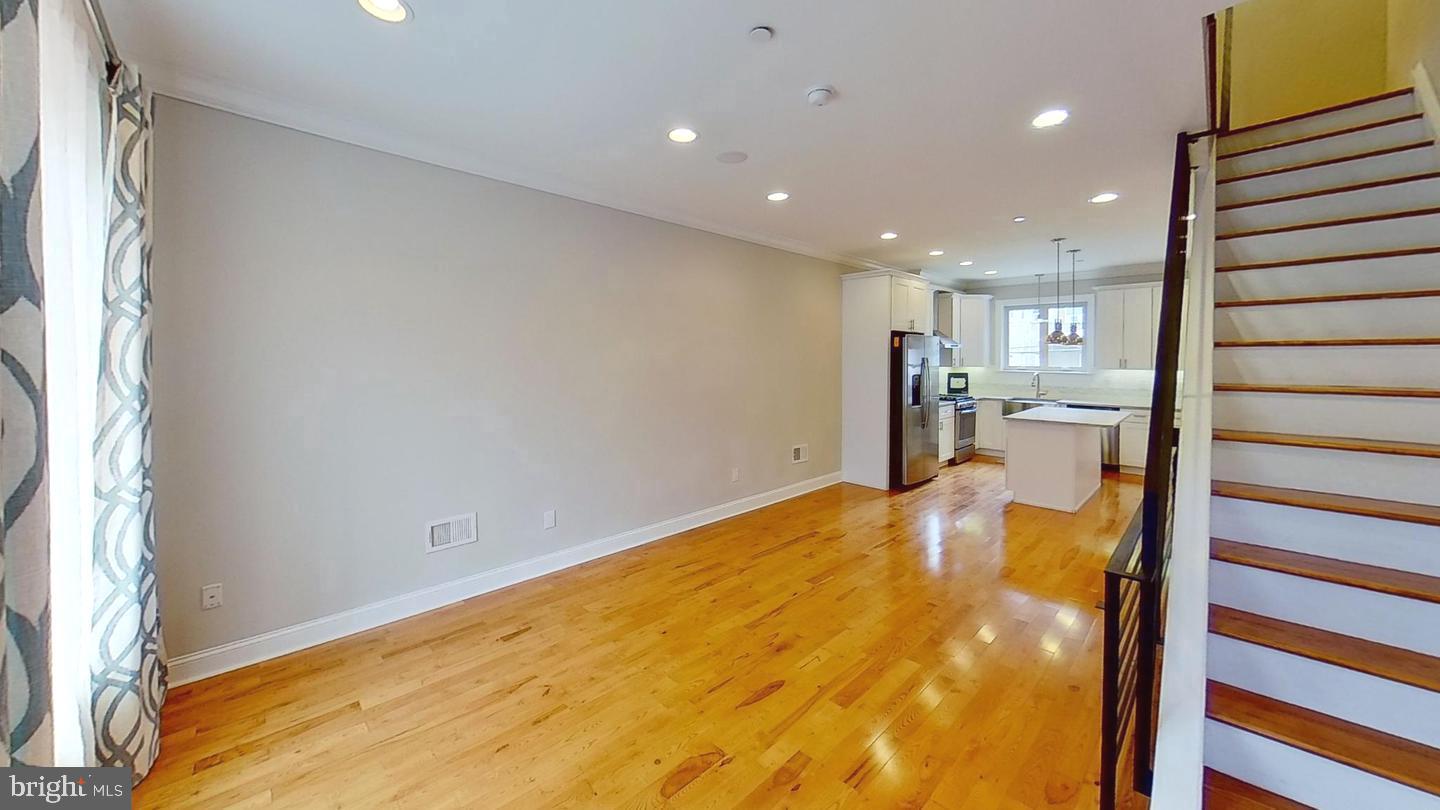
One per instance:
(1035, 381)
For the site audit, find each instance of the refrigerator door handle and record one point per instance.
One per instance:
(924, 391)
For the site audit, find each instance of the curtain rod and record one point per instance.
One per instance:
(102, 29)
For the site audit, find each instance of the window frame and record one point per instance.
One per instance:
(1087, 356)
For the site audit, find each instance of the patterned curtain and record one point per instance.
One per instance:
(128, 673)
(25, 717)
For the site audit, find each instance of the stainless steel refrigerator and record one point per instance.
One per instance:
(914, 408)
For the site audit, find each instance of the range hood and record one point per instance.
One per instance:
(945, 307)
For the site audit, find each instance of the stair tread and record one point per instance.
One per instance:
(1361, 655)
(1331, 259)
(1406, 584)
(1385, 755)
(1321, 136)
(1329, 502)
(1334, 390)
(1225, 792)
(1286, 343)
(1359, 102)
(1378, 295)
(1382, 446)
(1330, 161)
(1305, 195)
(1362, 219)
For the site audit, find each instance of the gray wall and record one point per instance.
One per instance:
(348, 344)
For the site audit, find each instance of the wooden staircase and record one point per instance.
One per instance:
(1324, 645)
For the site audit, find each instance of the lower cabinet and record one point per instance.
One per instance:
(947, 438)
(1134, 439)
(990, 425)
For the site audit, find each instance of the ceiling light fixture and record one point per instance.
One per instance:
(1050, 118)
(966, 263)
(1074, 338)
(937, 253)
(678, 134)
(1104, 197)
(392, 11)
(1057, 336)
(1018, 219)
(777, 196)
(991, 272)
(888, 235)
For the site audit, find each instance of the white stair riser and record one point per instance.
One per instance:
(1314, 780)
(1386, 543)
(1350, 172)
(1394, 366)
(1378, 703)
(1387, 234)
(1397, 197)
(1389, 418)
(1387, 317)
(1367, 275)
(1405, 623)
(1343, 472)
(1355, 143)
(1315, 124)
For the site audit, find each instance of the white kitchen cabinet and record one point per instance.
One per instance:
(910, 305)
(1126, 319)
(974, 332)
(990, 425)
(1134, 439)
(947, 434)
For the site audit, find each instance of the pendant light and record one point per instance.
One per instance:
(1057, 336)
(1074, 338)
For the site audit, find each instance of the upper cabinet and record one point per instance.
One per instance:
(964, 319)
(974, 334)
(1126, 321)
(910, 309)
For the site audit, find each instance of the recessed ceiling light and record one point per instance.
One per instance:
(1018, 219)
(388, 10)
(777, 196)
(966, 263)
(937, 253)
(1104, 197)
(889, 235)
(681, 134)
(991, 272)
(1050, 118)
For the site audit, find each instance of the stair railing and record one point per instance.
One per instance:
(1135, 577)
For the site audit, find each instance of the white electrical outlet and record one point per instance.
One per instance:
(212, 596)
(549, 518)
(800, 453)
(734, 475)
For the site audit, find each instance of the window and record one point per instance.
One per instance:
(1026, 325)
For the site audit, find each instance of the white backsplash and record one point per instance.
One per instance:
(1117, 386)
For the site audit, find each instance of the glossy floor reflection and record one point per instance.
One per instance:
(933, 648)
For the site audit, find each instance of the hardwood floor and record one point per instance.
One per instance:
(935, 648)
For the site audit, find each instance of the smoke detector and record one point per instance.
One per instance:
(762, 33)
(820, 96)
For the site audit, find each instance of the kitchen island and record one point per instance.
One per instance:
(1052, 455)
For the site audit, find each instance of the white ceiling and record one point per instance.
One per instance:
(928, 136)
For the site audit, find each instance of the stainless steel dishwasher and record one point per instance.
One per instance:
(1109, 437)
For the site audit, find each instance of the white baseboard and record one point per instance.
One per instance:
(246, 651)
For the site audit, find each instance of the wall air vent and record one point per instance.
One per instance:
(450, 532)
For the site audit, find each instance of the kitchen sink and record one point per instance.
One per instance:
(1019, 404)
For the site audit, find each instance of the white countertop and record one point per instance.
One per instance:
(1071, 416)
